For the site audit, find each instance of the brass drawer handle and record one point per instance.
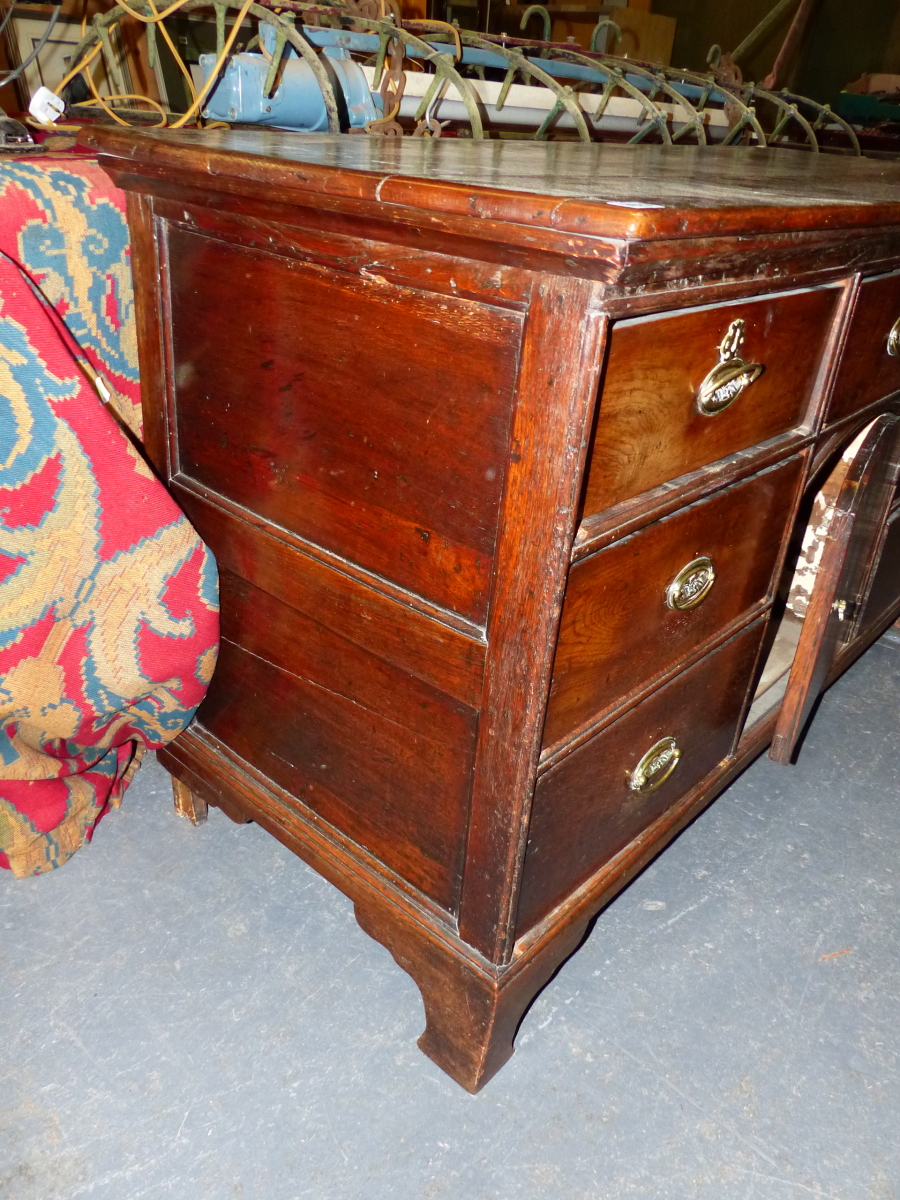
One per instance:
(655, 767)
(691, 585)
(730, 376)
(893, 342)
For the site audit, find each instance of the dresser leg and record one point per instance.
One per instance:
(187, 803)
(472, 1012)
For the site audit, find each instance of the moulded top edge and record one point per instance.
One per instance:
(588, 190)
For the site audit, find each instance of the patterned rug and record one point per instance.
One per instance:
(108, 599)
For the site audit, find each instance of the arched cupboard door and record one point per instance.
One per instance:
(849, 561)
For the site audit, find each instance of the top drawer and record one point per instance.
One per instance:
(868, 369)
(651, 428)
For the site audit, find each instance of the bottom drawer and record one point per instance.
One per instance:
(602, 795)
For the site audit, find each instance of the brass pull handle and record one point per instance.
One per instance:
(730, 376)
(893, 339)
(691, 585)
(655, 767)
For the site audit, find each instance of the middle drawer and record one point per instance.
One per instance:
(640, 608)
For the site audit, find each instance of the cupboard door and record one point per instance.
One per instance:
(885, 590)
(841, 581)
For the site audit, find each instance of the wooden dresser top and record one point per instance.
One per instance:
(594, 191)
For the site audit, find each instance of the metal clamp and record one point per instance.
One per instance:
(730, 376)
(691, 585)
(655, 767)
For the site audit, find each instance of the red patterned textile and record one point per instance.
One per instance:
(64, 223)
(108, 599)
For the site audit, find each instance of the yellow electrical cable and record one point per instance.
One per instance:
(213, 75)
(98, 99)
(105, 102)
(52, 128)
(156, 19)
(102, 101)
(167, 12)
(448, 26)
(76, 70)
(185, 70)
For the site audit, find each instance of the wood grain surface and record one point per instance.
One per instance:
(379, 418)
(590, 190)
(617, 632)
(584, 811)
(649, 429)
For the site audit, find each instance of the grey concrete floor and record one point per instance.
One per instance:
(195, 1015)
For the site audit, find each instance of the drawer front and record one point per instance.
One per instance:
(586, 810)
(868, 369)
(634, 611)
(650, 428)
(369, 418)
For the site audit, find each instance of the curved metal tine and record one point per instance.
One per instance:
(544, 15)
(303, 48)
(438, 84)
(659, 80)
(616, 79)
(731, 137)
(280, 43)
(706, 83)
(292, 35)
(790, 111)
(826, 116)
(601, 25)
(565, 97)
(505, 86)
(748, 119)
(383, 42)
(443, 65)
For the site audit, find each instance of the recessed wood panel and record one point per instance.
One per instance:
(885, 590)
(867, 371)
(617, 630)
(379, 755)
(584, 810)
(649, 428)
(370, 418)
(418, 645)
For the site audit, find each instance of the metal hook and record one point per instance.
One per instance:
(598, 29)
(537, 8)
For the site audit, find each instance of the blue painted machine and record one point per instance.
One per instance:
(471, 84)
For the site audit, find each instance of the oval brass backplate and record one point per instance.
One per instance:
(730, 376)
(691, 585)
(656, 766)
(893, 339)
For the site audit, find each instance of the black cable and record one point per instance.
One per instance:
(17, 71)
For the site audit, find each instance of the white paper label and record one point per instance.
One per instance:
(46, 107)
